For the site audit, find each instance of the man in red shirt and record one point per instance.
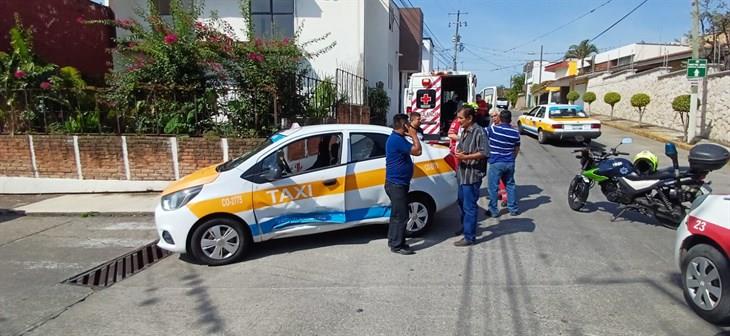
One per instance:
(482, 112)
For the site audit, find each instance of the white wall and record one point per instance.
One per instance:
(228, 11)
(640, 52)
(344, 20)
(381, 46)
(426, 56)
(662, 87)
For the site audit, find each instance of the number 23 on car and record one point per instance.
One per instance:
(299, 181)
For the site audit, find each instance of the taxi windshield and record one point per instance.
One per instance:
(230, 164)
(567, 112)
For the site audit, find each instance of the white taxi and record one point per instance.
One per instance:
(702, 251)
(299, 181)
(559, 121)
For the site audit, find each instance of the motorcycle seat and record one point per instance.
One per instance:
(660, 174)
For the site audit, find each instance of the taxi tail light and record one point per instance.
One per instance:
(557, 126)
(451, 161)
(596, 126)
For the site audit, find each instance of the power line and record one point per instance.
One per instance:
(619, 20)
(561, 27)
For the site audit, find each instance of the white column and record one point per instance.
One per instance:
(32, 156)
(125, 157)
(175, 163)
(78, 157)
(224, 148)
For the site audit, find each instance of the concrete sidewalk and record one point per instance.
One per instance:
(657, 133)
(85, 204)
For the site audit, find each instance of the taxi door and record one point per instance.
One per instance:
(301, 187)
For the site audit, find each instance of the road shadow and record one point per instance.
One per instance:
(503, 228)
(9, 215)
(629, 215)
(524, 192)
(208, 314)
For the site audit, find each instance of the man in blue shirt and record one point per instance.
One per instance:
(504, 145)
(398, 175)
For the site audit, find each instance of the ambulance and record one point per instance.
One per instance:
(299, 181)
(430, 93)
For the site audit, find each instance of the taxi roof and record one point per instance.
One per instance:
(303, 130)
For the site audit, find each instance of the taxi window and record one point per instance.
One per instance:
(367, 146)
(567, 112)
(540, 113)
(312, 153)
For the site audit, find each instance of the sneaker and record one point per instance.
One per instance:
(402, 250)
(514, 213)
(463, 242)
(491, 214)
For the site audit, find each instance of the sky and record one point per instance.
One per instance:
(494, 26)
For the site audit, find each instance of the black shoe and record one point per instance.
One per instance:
(459, 233)
(463, 242)
(403, 251)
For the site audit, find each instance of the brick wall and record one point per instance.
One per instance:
(54, 155)
(101, 157)
(194, 153)
(15, 156)
(353, 114)
(150, 159)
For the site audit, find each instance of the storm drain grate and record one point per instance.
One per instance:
(119, 268)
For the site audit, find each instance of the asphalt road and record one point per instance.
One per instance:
(549, 271)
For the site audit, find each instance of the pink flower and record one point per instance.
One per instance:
(199, 25)
(45, 85)
(285, 41)
(19, 74)
(256, 57)
(126, 23)
(170, 38)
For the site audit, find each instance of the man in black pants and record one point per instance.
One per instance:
(398, 175)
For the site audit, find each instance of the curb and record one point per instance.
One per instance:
(75, 214)
(648, 134)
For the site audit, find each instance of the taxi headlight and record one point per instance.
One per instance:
(178, 199)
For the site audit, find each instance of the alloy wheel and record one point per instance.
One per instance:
(703, 283)
(220, 242)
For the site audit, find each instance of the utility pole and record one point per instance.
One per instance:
(539, 80)
(692, 126)
(458, 46)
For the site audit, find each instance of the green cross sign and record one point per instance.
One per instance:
(696, 68)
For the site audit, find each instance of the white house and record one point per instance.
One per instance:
(366, 32)
(532, 71)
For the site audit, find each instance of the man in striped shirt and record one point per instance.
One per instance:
(504, 145)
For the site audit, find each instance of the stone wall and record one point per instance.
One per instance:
(134, 158)
(663, 86)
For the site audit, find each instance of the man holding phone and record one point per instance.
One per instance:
(398, 175)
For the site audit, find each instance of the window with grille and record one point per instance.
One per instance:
(273, 18)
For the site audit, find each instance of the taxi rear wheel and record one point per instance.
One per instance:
(519, 128)
(420, 214)
(219, 241)
(541, 137)
(706, 283)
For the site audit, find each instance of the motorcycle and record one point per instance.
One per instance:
(664, 194)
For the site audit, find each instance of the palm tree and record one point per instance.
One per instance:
(581, 50)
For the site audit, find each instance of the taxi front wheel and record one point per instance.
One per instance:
(420, 214)
(219, 241)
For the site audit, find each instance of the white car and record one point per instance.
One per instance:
(299, 181)
(701, 251)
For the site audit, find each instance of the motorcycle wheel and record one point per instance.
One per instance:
(578, 193)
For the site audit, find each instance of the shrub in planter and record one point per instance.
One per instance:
(612, 98)
(640, 101)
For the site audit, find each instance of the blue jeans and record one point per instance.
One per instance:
(506, 172)
(468, 197)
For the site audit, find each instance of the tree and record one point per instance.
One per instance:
(639, 101)
(612, 98)
(573, 96)
(581, 50)
(379, 103)
(715, 26)
(589, 97)
(680, 104)
(517, 86)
